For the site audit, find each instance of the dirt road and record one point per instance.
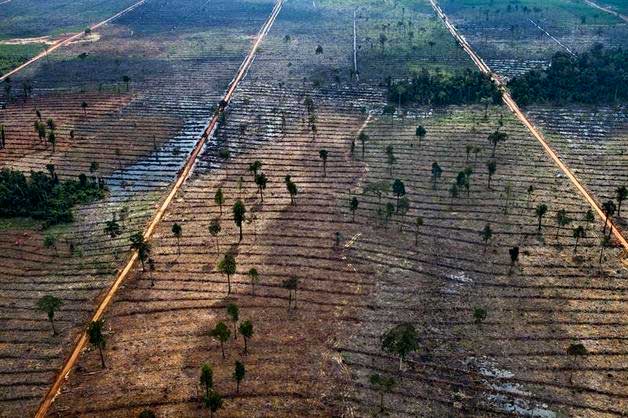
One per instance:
(181, 177)
(607, 10)
(512, 105)
(69, 39)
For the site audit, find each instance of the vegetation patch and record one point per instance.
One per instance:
(594, 77)
(43, 196)
(440, 88)
(13, 55)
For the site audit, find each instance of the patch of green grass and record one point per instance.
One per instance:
(7, 224)
(12, 56)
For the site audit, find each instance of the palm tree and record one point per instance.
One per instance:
(390, 158)
(354, 206)
(323, 154)
(177, 231)
(400, 340)
(254, 167)
(234, 313)
(246, 329)
(609, 209)
(139, 244)
(605, 242)
(492, 168)
(227, 266)
(399, 189)
(49, 304)
(383, 384)
(52, 139)
(84, 107)
(622, 194)
(436, 174)
(51, 124)
(292, 189)
(561, 220)
(261, 182)
(291, 285)
(420, 133)
(239, 214)
(453, 192)
(221, 334)
(588, 217)
(578, 233)
(214, 230)
(254, 276)
(363, 138)
(238, 374)
(207, 378)
(96, 337)
(213, 402)
(540, 211)
(495, 138)
(219, 199)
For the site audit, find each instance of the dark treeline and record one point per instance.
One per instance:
(440, 89)
(43, 196)
(594, 77)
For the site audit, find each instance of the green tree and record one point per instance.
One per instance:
(84, 107)
(399, 189)
(207, 378)
(254, 167)
(139, 244)
(486, 234)
(495, 138)
(402, 209)
(562, 220)
(238, 374)
(49, 304)
(324, 154)
(609, 210)
(214, 229)
(605, 242)
(52, 139)
(354, 206)
(213, 402)
(50, 241)
(147, 413)
(246, 329)
(254, 276)
(400, 340)
(420, 133)
(97, 338)
(227, 266)
(578, 233)
(363, 138)
(479, 315)
(219, 199)
(239, 215)
(221, 333)
(261, 180)
(588, 217)
(234, 314)
(437, 172)
(292, 189)
(177, 232)
(291, 284)
(126, 80)
(390, 158)
(382, 385)
(492, 168)
(540, 211)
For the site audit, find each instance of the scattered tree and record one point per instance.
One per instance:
(177, 232)
(139, 244)
(495, 138)
(246, 329)
(578, 233)
(486, 234)
(97, 338)
(561, 220)
(398, 189)
(492, 168)
(323, 154)
(261, 180)
(354, 206)
(420, 133)
(609, 210)
(227, 266)
(213, 402)
(382, 385)
(622, 194)
(254, 276)
(400, 340)
(219, 199)
(479, 315)
(291, 285)
(363, 138)
(540, 211)
(214, 230)
(239, 215)
(221, 334)
(238, 374)
(49, 304)
(234, 314)
(207, 378)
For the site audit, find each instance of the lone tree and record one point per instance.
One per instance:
(578, 233)
(261, 180)
(219, 199)
(514, 255)
(238, 374)
(540, 211)
(234, 314)
(486, 234)
(479, 315)
(437, 172)
(363, 138)
(382, 385)
(84, 107)
(420, 133)
(399, 189)
(246, 329)
(239, 215)
(214, 230)
(323, 154)
(495, 138)
(49, 304)
(227, 266)
(292, 189)
(588, 217)
(207, 378)
(254, 276)
(213, 402)
(561, 220)
(221, 334)
(492, 168)
(126, 80)
(354, 206)
(96, 338)
(177, 231)
(400, 340)
(139, 244)
(609, 210)
(254, 167)
(622, 194)
(291, 285)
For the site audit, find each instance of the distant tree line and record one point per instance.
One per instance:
(597, 76)
(43, 196)
(439, 88)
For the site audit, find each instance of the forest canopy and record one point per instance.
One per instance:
(440, 89)
(599, 76)
(43, 196)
